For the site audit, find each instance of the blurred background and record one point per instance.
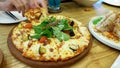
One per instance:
(1, 0)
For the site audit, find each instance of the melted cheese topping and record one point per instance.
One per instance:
(33, 52)
(51, 51)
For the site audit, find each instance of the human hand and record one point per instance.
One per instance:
(38, 3)
(23, 5)
(20, 5)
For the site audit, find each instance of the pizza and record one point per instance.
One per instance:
(50, 37)
(109, 26)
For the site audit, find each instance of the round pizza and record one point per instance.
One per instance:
(50, 37)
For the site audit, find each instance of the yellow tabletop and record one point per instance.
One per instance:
(99, 56)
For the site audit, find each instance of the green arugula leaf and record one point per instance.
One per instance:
(38, 31)
(60, 27)
(97, 20)
(47, 33)
(60, 35)
(44, 29)
(65, 23)
(36, 36)
(40, 26)
(52, 19)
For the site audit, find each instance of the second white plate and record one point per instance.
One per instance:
(100, 37)
(112, 2)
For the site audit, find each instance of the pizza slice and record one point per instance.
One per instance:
(43, 52)
(36, 15)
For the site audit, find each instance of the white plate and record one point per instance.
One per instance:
(100, 37)
(5, 19)
(112, 2)
(116, 64)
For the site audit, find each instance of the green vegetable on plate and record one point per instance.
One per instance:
(95, 21)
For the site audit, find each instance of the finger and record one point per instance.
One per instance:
(26, 4)
(15, 4)
(18, 5)
(43, 4)
(36, 4)
(22, 6)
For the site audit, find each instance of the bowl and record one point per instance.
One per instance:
(87, 3)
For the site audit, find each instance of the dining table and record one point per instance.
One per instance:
(99, 55)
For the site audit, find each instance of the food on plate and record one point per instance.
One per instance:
(54, 38)
(109, 26)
